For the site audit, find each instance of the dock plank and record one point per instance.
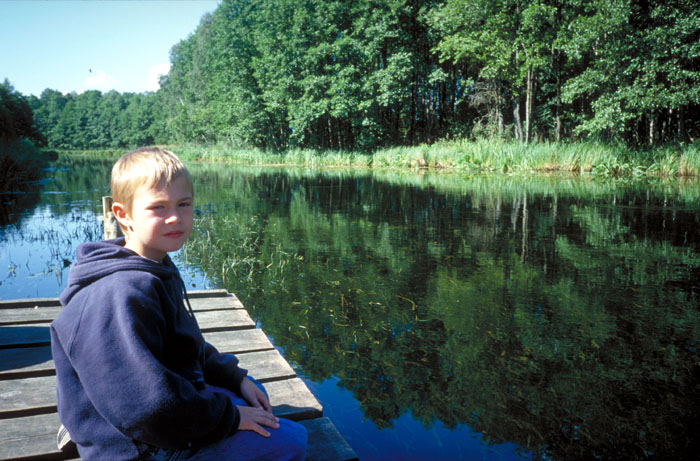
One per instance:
(328, 443)
(28, 315)
(47, 302)
(30, 437)
(36, 361)
(220, 320)
(266, 366)
(37, 394)
(239, 342)
(28, 418)
(28, 361)
(33, 302)
(292, 399)
(37, 334)
(289, 397)
(23, 397)
(25, 312)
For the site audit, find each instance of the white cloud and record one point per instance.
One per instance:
(99, 80)
(154, 74)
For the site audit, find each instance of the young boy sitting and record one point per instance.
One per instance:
(135, 378)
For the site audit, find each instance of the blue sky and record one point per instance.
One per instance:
(92, 44)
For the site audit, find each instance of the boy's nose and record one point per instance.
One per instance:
(173, 218)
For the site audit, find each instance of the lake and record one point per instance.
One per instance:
(436, 316)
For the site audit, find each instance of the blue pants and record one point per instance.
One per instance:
(288, 442)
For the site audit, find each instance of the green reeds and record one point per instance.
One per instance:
(479, 155)
(230, 248)
(498, 155)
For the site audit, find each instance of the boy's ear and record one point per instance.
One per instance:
(121, 214)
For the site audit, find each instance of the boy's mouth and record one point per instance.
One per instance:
(174, 234)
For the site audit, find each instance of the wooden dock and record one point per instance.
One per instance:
(28, 414)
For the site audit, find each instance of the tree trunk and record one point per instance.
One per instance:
(499, 107)
(524, 248)
(517, 126)
(529, 104)
(412, 121)
(557, 107)
(682, 134)
(558, 113)
(557, 73)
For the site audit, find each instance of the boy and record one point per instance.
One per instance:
(135, 378)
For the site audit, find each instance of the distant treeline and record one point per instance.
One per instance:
(94, 120)
(369, 74)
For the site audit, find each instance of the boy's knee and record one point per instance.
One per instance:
(296, 437)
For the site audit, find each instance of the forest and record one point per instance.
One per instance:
(372, 74)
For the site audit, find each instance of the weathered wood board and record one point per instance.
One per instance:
(28, 418)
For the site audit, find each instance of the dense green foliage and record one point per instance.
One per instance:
(370, 74)
(95, 120)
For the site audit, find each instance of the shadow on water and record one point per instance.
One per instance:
(24, 346)
(13, 204)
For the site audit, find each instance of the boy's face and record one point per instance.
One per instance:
(160, 220)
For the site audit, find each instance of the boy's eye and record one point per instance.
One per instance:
(186, 204)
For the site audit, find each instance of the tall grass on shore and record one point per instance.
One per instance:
(259, 157)
(496, 155)
(480, 155)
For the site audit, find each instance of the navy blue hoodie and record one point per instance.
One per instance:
(131, 362)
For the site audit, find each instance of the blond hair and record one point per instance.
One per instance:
(152, 167)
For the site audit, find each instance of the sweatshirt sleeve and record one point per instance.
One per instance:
(222, 369)
(117, 349)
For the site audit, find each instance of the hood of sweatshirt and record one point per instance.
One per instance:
(95, 260)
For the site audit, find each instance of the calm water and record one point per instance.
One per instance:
(436, 316)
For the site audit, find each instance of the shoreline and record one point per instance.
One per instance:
(478, 156)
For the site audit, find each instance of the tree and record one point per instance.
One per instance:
(16, 116)
(484, 34)
(47, 115)
(639, 68)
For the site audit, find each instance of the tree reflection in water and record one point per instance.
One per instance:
(561, 316)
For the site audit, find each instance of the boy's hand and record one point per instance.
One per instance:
(259, 413)
(254, 396)
(253, 419)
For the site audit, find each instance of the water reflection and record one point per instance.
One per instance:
(558, 318)
(548, 318)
